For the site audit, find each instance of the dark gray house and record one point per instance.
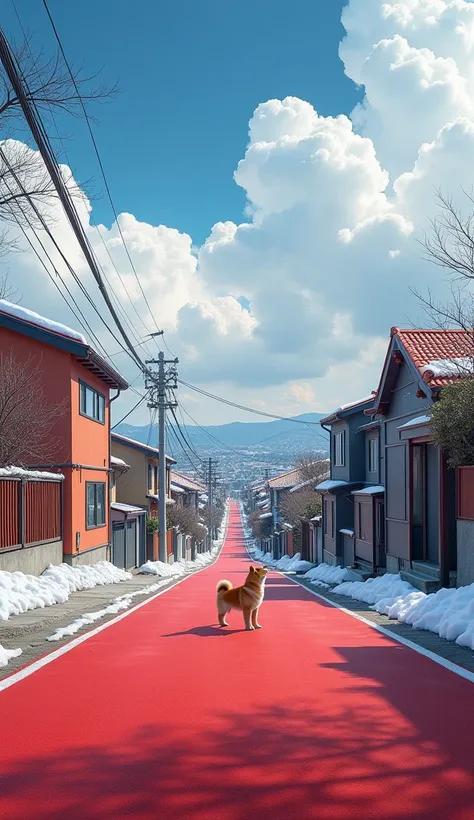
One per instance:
(351, 496)
(420, 515)
(390, 504)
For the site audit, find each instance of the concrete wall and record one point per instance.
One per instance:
(465, 550)
(81, 559)
(32, 560)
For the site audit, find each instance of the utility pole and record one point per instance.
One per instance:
(159, 383)
(212, 464)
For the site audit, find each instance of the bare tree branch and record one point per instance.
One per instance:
(27, 418)
(7, 291)
(24, 180)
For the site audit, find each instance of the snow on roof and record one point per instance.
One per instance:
(126, 508)
(355, 403)
(286, 480)
(438, 347)
(140, 445)
(155, 497)
(33, 318)
(350, 533)
(377, 488)
(176, 489)
(417, 422)
(30, 475)
(462, 366)
(119, 462)
(186, 482)
(327, 486)
(305, 484)
(344, 407)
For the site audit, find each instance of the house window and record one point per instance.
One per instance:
(92, 403)
(373, 455)
(339, 448)
(329, 517)
(150, 477)
(95, 504)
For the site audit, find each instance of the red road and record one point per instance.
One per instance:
(163, 715)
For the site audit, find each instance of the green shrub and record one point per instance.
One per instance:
(151, 525)
(453, 423)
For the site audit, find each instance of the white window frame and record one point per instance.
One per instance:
(373, 455)
(339, 449)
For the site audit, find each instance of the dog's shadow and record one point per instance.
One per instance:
(205, 632)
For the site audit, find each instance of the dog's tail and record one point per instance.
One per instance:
(223, 586)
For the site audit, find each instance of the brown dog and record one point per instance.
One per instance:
(248, 598)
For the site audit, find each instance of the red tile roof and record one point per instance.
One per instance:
(425, 346)
(286, 480)
(186, 482)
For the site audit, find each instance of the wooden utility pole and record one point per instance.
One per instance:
(159, 384)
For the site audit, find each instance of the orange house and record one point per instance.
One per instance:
(73, 373)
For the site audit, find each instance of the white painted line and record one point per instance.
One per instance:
(16, 677)
(452, 667)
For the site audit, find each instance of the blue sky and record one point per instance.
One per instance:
(338, 204)
(191, 74)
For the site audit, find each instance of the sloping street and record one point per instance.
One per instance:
(162, 714)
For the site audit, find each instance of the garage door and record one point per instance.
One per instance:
(118, 545)
(124, 544)
(131, 544)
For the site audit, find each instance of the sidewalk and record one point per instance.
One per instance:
(29, 630)
(449, 650)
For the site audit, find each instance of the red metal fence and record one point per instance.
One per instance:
(465, 493)
(30, 512)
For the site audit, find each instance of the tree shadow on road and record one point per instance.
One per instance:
(307, 760)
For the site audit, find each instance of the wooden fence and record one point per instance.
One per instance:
(30, 512)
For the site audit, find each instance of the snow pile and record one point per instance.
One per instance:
(295, 564)
(20, 593)
(86, 577)
(7, 654)
(162, 569)
(120, 603)
(381, 592)
(179, 568)
(326, 574)
(448, 613)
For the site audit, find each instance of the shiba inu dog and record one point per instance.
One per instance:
(248, 598)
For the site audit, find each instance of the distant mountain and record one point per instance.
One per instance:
(300, 434)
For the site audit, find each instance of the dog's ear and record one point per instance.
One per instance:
(251, 569)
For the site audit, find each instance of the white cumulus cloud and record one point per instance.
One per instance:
(302, 294)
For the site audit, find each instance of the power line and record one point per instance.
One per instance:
(42, 141)
(244, 407)
(172, 435)
(102, 170)
(141, 400)
(213, 438)
(50, 108)
(53, 240)
(182, 432)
